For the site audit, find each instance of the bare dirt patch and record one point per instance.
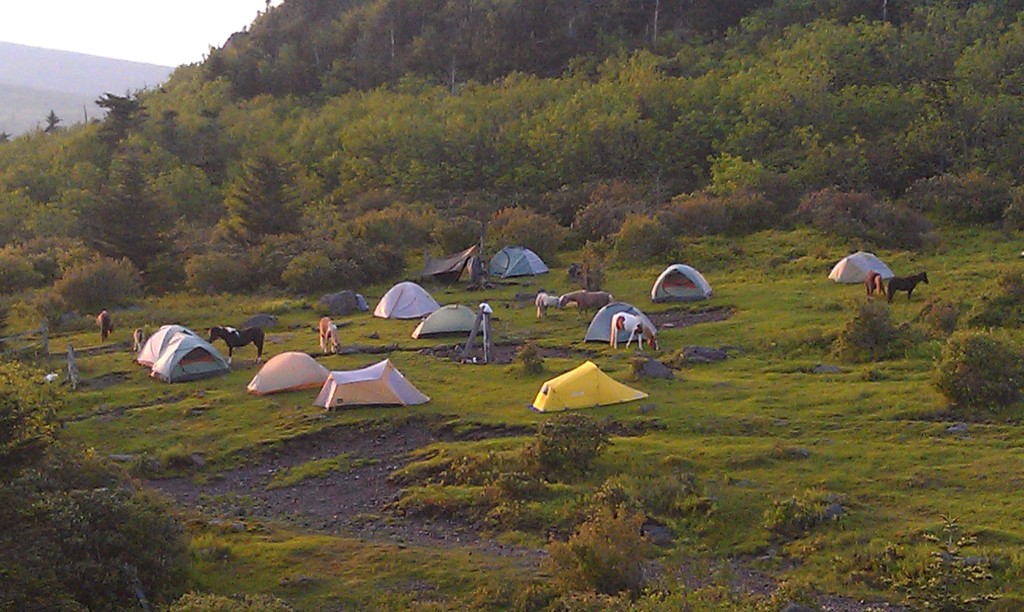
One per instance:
(676, 318)
(503, 354)
(104, 381)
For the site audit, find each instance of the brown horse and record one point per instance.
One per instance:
(585, 300)
(905, 284)
(106, 325)
(874, 284)
(328, 336)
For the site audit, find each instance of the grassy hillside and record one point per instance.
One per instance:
(758, 428)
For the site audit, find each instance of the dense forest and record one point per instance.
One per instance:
(330, 138)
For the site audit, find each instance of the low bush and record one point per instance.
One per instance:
(565, 446)
(973, 197)
(606, 554)
(796, 516)
(606, 211)
(217, 272)
(855, 215)
(208, 602)
(456, 234)
(642, 238)
(16, 273)
(101, 283)
(740, 212)
(523, 227)
(529, 360)
(940, 315)
(979, 375)
(590, 268)
(1003, 307)
(308, 272)
(400, 227)
(870, 335)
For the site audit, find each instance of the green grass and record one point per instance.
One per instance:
(317, 468)
(873, 434)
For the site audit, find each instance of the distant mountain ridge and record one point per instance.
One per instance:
(34, 81)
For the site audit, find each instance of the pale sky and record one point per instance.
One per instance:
(168, 33)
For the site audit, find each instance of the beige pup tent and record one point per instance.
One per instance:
(188, 357)
(450, 319)
(854, 268)
(405, 301)
(378, 385)
(680, 283)
(585, 387)
(288, 372)
(155, 345)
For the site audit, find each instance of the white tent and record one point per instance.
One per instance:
(854, 268)
(680, 283)
(155, 345)
(405, 301)
(288, 372)
(188, 357)
(379, 384)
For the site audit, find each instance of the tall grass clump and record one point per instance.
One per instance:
(870, 335)
(566, 446)
(1003, 307)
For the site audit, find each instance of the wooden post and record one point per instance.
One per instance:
(73, 379)
(472, 336)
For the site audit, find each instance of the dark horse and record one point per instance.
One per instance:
(106, 325)
(235, 338)
(907, 284)
(874, 283)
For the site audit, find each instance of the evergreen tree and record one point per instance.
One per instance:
(263, 200)
(124, 113)
(52, 121)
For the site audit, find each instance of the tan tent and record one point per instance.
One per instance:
(854, 268)
(378, 385)
(288, 372)
(405, 301)
(450, 319)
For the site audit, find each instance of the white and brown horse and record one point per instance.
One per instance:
(138, 339)
(543, 302)
(585, 300)
(636, 328)
(329, 341)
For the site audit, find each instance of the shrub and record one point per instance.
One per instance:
(979, 374)
(606, 211)
(969, 198)
(940, 315)
(566, 445)
(529, 359)
(399, 227)
(854, 215)
(308, 272)
(591, 268)
(1005, 306)
(797, 515)
(16, 272)
(523, 227)
(215, 272)
(101, 283)
(456, 234)
(208, 602)
(606, 554)
(870, 335)
(740, 212)
(642, 238)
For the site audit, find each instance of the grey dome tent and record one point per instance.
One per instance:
(188, 357)
(155, 344)
(680, 283)
(450, 319)
(601, 326)
(516, 261)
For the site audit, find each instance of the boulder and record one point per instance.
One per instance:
(824, 368)
(704, 354)
(342, 302)
(652, 368)
(262, 321)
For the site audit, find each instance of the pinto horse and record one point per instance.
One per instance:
(585, 300)
(106, 325)
(544, 301)
(636, 328)
(874, 283)
(235, 338)
(905, 284)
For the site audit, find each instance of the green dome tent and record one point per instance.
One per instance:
(516, 261)
(450, 319)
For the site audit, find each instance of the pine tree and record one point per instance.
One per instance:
(263, 201)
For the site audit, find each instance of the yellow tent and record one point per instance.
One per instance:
(585, 387)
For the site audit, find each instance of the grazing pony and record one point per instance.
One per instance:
(138, 339)
(543, 302)
(106, 325)
(585, 300)
(328, 336)
(235, 338)
(637, 329)
(905, 284)
(874, 284)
